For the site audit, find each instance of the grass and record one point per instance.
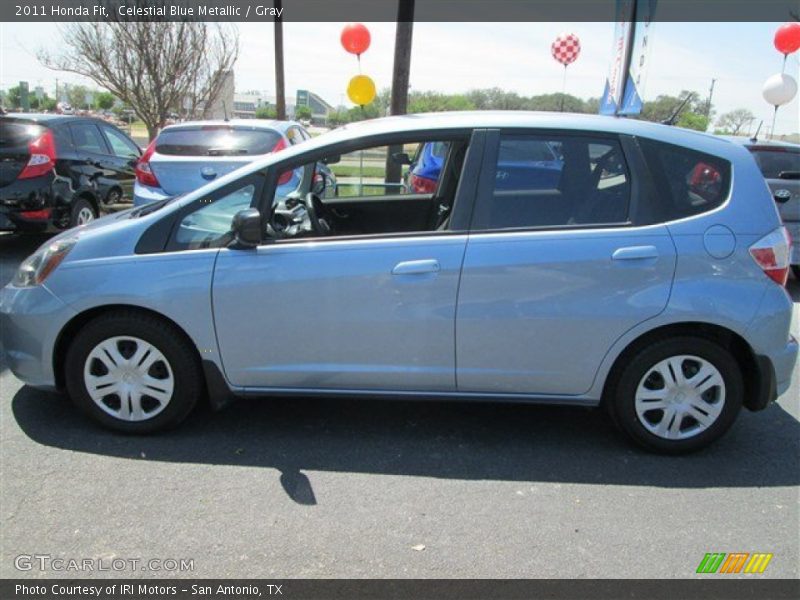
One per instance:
(355, 170)
(349, 191)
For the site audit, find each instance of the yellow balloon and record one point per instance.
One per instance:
(361, 90)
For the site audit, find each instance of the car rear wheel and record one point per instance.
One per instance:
(677, 395)
(82, 213)
(133, 372)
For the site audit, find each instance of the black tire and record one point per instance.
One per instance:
(796, 271)
(620, 395)
(79, 204)
(166, 338)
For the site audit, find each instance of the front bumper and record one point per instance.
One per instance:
(30, 321)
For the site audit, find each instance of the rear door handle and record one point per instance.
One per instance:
(416, 267)
(635, 253)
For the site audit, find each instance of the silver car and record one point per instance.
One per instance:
(643, 271)
(780, 164)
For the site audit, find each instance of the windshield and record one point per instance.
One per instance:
(217, 140)
(774, 162)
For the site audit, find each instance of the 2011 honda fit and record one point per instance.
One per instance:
(647, 276)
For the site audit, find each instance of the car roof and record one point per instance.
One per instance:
(43, 117)
(52, 119)
(551, 121)
(763, 144)
(271, 124)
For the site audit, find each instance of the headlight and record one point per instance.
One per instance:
(36, 268)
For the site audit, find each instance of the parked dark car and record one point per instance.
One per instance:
(59, 171)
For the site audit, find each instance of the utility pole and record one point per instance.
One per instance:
(280, 90)
(400, 76)
(708, 102)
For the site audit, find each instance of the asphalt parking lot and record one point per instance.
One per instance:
(314, 488)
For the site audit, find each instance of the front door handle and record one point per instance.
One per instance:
(416, 267)
(635, 253)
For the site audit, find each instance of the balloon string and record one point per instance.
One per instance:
(358, 56)
(772, 130)
(783, 69)
(563, 88)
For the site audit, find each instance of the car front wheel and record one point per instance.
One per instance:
(133, 372)
(677, 395)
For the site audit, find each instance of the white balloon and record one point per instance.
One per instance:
(779, 89)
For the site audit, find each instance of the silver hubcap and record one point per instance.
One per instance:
(128, 378)
(680, 397)
(85, 215)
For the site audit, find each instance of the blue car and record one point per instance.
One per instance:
(189, 155)
(525, 163)
(641, 270)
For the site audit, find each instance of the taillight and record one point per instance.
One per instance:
(281, 145)
(772, 253)
(422, 185)
(286, 176)
(43, 156)
(144, 172)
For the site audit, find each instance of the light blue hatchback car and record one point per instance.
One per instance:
(647, 277)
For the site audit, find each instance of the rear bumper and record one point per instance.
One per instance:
(773, 376)
(143, 194)
(793, 227)
(27, 203)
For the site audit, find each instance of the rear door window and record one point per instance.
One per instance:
(690, 182)
(87, 138)
(216, 140)
(556, 181)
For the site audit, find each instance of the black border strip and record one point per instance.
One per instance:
(482, 11)
(707, 588)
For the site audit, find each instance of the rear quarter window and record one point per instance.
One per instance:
(689, 182)
(216, 141)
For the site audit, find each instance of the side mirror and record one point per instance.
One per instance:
(246, 228)
(332, 160)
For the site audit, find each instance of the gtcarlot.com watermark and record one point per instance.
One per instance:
(60, 564)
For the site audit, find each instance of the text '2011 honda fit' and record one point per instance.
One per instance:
(643, 271)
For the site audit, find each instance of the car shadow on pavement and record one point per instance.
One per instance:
(470, 441)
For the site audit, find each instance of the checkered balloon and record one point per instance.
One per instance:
(566, 48)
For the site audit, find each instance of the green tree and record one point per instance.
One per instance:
(104, 100)
(266, 112)
(302, 112)
(14, 97)
(692, 120)
(76, 96)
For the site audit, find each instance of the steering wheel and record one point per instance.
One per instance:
(316, 214)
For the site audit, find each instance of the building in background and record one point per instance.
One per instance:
(319, 108)
(223, 104)
(246, 104)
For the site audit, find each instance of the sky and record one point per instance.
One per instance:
(457, 57)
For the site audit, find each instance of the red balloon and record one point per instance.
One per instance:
(355, 38)
(787, 38)
(566, 48)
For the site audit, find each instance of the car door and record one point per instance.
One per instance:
(363, 312)
(94, 157)
(122, 160)
(556, 268)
